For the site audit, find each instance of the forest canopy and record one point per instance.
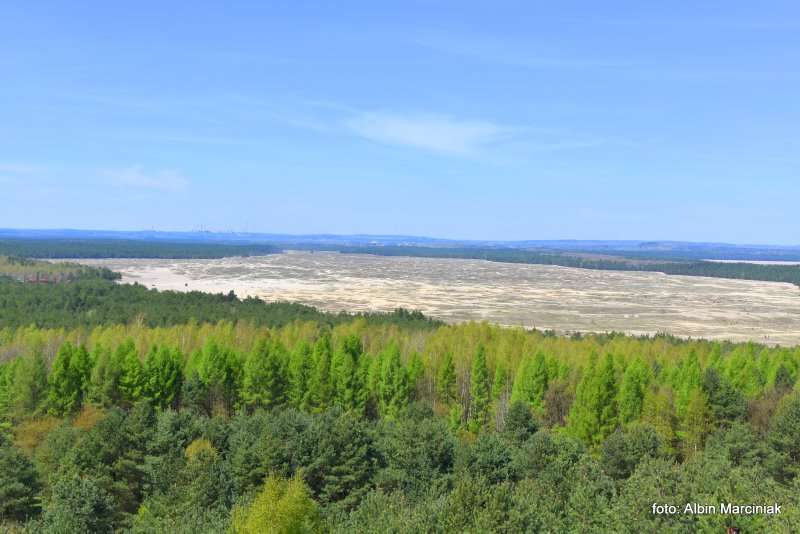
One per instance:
(361, 426)
(95, 301)
(32, 271)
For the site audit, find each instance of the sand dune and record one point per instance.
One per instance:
(546, 297)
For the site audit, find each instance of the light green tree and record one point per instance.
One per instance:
(696, 422)
(300, 369)
(162, 376)
(531, 380)
(106, 377)
(347, 379)
(131, 382)
(282, 507)
(446, 380)
(394, 387)
(687, 378)
(594, 413)
(480, 396)
(416, 370)
(320, 380)
(265, 381)
(63, 384)
(29, 390)
(632, 389)
(658, 411)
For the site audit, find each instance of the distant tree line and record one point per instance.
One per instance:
(668, 262)
(128, 248)
(32, 271)
(742, 271)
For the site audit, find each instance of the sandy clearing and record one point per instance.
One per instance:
(541, 296)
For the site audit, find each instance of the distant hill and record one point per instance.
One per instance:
(674, 250)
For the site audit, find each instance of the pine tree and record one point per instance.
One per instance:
(343, 376)
(64, 384)
(480, 396)
(393, 389)
(82, 365)
(162, 376)
(594, 414)
(300, 368)
(106, 377)
(634, 384)
(725, 402)
(351, 344)
(416, 370)
(607, 400)
(19, 484)
(320, 382)
(265, 382)
(659, 412)
(783, 381)
(347, 376)
(784, 439)
(446, 380)
(366, 402)
(219, 372)
(531, 380)
(131, 382)
(29, 388)
(582, 418)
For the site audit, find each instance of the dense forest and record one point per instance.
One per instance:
(127, 248)
(388, 427)
(96, 301)
(27, 270)
(650, 263)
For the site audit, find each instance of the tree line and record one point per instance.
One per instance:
(649, 263)
(94, 300)
(31, 271)
(128, 248)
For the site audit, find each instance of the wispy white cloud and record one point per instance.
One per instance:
(166, 180)
(437, 133)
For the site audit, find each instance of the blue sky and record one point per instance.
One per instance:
(528, 120)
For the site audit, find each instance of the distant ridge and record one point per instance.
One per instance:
(204, 235)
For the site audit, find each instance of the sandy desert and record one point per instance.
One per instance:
(545, 297)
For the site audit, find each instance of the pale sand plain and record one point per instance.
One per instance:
(545, 297)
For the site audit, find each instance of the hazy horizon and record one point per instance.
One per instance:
(377, 235)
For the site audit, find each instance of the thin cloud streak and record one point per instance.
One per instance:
(436, 133)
